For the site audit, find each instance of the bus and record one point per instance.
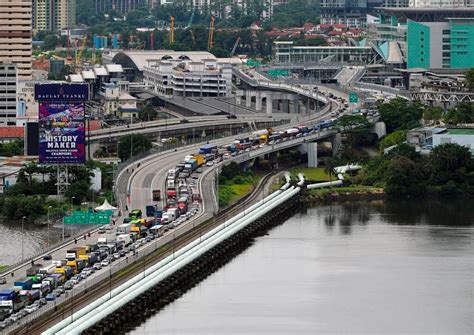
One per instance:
(135, 214)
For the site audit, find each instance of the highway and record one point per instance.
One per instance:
(138, 180)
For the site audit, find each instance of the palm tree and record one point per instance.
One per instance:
(29, 169)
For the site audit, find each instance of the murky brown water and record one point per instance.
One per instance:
(392, 268)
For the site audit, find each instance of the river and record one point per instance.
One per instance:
(379, 268)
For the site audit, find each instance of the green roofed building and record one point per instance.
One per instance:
(461, 136)
(436, 45)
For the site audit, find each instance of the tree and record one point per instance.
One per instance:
(397, 137)
(462, 113)
(353, 123)
(50, 42)
(133, 145)
(229, 171)
(79, 190)
(470, 79)
(148, 113)
(404, 178)
(449, 161)
(432, 114)
(399, 113)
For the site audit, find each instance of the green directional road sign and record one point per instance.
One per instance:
(80, 217)
(278, 72)
(353, 97)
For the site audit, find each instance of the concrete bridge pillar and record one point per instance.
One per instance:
(285, 106)
(273, 160)
(336, 143)
(269, 106)
(238, 99)
(312, 149)
(248, 99)
(296, 106)
(258, 102)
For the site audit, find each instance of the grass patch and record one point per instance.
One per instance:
(228, 194)
(3, 267)
(344, 189)
(312, 174)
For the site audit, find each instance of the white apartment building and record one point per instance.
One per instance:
(206, 78)
(15, 35)
(8, 95)
(440, 3)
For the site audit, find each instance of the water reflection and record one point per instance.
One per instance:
(378, 268)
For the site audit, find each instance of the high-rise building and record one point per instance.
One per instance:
(441, 44)
(42, 15)
(122, 6)
(15, 35)
(8, 94)
(53, 15)
(348, 12)
(440, 3)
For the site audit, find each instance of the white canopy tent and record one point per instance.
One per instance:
(107, 207)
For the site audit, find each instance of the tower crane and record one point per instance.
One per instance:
(210, 43)
(235, 46)
(171, 30)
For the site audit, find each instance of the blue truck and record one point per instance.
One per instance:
(25, 283)
(208, 149)
(191, 165)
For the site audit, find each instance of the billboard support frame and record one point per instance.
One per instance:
(62, 179)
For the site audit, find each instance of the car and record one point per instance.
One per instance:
(194, 176)
(199, 170)
(15, 317)
(51, 297)
(47, 257)
(77, 277)
(30, 309)
(57, 293)
(23, 313)
(3, 324)
(116, 255)
(43, 301)
(105, 262)
(68, 285)
(97, 266)
(89, 269)
(74, 281)
(102, 230)
(148, 238)
(84, 274)
(3, 280)
(123, 253)
(60, 289)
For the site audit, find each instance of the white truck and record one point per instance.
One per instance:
(125, 238)
(124, 229)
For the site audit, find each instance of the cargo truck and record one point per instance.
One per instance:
(74, 253)
(47, 270)
(124, 229)
(191, 165)
(200, 160)
(34, 270)
(208, 149)
(29, 296)
(44, 288)
(66, 270)
(157, 195)
(24, 283)
(127, 240)
(89, 259)
(150, 210)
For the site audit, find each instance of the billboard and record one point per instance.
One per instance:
(31, 139)
(61, 92)
(61, 132)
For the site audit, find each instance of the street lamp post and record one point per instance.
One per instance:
(23, 238)
(72, 209)
(49, 208)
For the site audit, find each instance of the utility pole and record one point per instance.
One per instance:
(23, 238)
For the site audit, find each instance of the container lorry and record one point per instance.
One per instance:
(67, 271)
(208, 149)
(150, 210)
(75, 253)
(24, 283)
(47, 270)
(29, 296)
(44, 288)
(89, 259)
(124, 229)
(191, 165)
(157, 195)
(127, 240)
(200, 160)
(170, 183)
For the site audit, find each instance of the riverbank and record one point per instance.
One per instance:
(344, 193)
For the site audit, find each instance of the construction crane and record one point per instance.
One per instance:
(193, 38)
(235, 46)
(210, 41)
(81, 51)
(171, 30)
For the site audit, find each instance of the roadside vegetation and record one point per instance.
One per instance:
(235, 184)
(30, 195)
(403, 172)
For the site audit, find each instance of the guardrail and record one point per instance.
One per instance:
(281, 86)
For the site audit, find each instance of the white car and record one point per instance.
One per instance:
(30, 309)
(104, 263)
(210, 163)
